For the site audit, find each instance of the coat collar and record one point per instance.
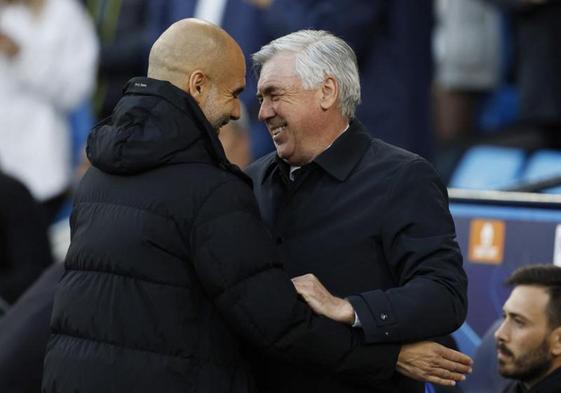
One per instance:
(155, 124)
(345, 153)
(182, 101)
(338, 161)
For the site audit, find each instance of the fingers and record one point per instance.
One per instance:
(303, 284)
(307, 284)
(455, 367)
(455, 356)
(450, 367)
(431, 362)
(441, 381)
(447, 375)
(300, 288)
(305, 278)
(442, 377)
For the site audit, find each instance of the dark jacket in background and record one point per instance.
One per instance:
(24, 331)
(550, 384)
(371, 221)
(24, 247)
(537, 34)
(170, 265)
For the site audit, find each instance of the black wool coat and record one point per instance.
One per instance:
(171, 277)
(371, 221)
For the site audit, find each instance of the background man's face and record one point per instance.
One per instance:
(523, 349)
(290, 112)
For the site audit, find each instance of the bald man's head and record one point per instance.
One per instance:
(204, 61)
(189, 45)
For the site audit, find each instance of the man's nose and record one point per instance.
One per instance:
(501, 332)
(265, 110)
(236, 111)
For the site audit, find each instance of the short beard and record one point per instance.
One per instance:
(531, 366)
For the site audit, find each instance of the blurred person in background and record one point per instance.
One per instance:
(125, 41)
(467, 46)
(24, 331)
(48, 52)
(529, 338)
(24, 246)
(467, 51)
(537, 41)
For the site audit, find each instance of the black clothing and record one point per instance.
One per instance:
(550, 384)
(537, 33)
(170, 264)
(24, 331)
(24, 246)
(538, 37)
(371, 221)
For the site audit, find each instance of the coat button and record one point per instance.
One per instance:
(280, 240)
(383, 316)
(387, 334)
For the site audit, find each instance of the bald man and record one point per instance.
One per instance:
(171, 275)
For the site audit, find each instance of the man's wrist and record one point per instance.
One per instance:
(346, 312)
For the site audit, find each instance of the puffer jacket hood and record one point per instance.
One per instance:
(154, 124)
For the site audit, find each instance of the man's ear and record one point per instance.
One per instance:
(329, 93)
(555, 341)
(197, 85)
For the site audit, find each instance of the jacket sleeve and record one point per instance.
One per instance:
(233, 256)
(430, 298)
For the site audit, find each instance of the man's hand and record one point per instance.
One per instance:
(321, 301)
(431, 362)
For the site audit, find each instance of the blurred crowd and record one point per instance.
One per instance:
(438, 77)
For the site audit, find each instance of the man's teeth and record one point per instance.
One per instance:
(277, 130)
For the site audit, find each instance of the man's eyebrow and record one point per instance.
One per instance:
(513, 314)
(267, 90)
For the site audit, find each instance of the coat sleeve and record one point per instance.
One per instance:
(233, 256)
(430, 298)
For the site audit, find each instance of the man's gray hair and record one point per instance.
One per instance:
(318, 54)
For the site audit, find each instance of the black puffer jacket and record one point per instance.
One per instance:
(171, 274)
